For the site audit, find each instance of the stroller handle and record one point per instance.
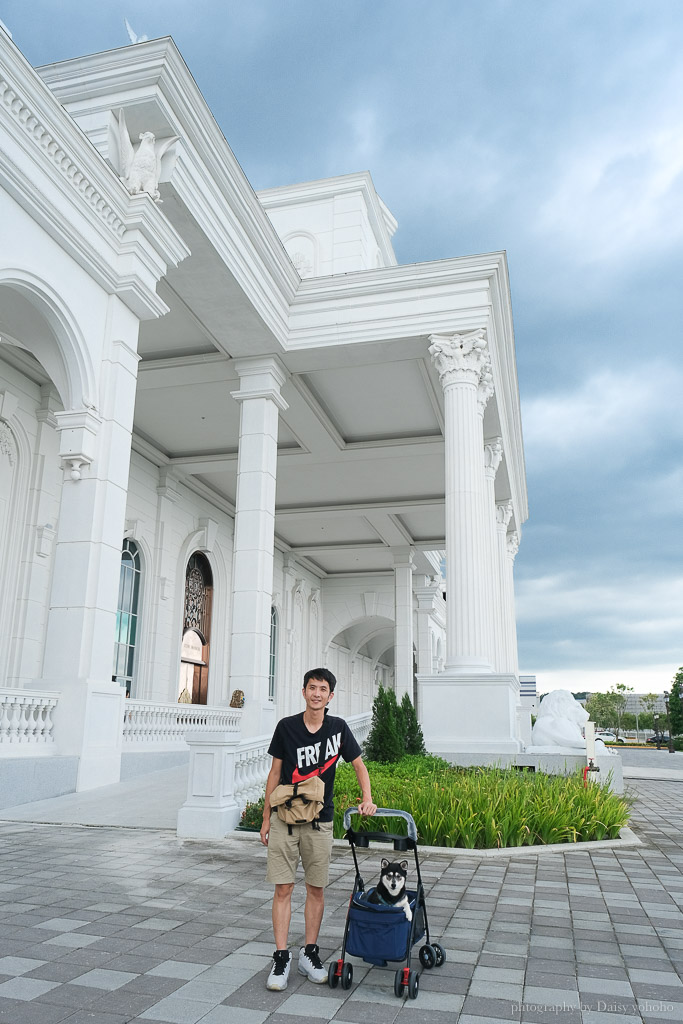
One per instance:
(385, 812)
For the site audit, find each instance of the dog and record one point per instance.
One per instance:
(391, 888)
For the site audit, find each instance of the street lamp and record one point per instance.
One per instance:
(657, 733)
(668, 721)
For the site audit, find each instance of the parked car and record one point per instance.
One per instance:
(608, 737)
(663, 739)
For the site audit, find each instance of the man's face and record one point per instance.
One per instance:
(317, 694)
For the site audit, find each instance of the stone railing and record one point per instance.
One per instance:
(360, 726)
(26, 722)
(152, 725)
(252, 764)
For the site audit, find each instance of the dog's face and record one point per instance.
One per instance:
(393, 876)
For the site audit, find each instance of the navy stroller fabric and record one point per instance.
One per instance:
(378, 933)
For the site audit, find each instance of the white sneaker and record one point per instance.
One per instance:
(311, 965)
(279, 972)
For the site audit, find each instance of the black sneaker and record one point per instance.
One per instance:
(311, 965)
(279, 972)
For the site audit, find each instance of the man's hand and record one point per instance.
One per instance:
(367, 808)
(265, 831)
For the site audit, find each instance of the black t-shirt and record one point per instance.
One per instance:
(305, 753)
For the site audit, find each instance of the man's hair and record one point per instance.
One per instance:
(323, 675)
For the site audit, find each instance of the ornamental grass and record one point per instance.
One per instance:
(483, 808)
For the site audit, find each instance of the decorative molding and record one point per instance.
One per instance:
(56, 150)
(493, 455)
(78, 430)
(209, 528)
(8, 404)
(45, 538)
(8, 444)
(504, 510)
(512, 544)
(464, 358)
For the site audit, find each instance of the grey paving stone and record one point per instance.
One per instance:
(25, 988)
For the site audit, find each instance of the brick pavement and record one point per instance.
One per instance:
(109, 925)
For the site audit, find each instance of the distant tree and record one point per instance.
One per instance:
(646, 720)
(414, 740)
(650, 701)
(628, 721)
(386, 740)
(619, 702)
(676, 704)
(600, 707)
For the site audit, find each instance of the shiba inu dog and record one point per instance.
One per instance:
(391, 888)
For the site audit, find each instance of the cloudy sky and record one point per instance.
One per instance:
(551, 129)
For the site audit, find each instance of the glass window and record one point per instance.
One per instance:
(127, 616)
(272, 669)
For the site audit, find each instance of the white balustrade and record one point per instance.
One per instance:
(26, 722)
(152, 725)
(360, 726)
(252, 764)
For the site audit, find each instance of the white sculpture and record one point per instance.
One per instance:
(133, 36)
(140, 167)
(557, 729)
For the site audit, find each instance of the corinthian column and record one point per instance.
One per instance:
(493, 455)
(512, 549)
(464, 367)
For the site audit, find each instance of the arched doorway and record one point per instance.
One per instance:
(194, 655)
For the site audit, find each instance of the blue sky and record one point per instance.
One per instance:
(551, 129)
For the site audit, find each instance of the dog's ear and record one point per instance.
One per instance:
(385, 864)
(404, 865)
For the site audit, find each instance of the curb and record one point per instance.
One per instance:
(627, 838)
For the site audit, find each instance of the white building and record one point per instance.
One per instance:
(236, 438)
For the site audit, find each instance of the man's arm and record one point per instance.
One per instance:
(273, 780)
(366, 806)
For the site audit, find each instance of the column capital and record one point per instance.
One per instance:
(78, 429)
(493, 455)
(261, 378)
(512, 544)
(504, 510)
(463, 358)
(403, 557)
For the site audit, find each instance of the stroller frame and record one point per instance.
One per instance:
(431, 954)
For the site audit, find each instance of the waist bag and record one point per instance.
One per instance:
(299, 802)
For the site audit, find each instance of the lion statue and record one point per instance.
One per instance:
(559, 724)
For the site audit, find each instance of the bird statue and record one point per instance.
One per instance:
(140, 167)
(131, 34)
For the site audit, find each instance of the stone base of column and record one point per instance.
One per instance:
(88, 724)
(469, 714)
(210, 811)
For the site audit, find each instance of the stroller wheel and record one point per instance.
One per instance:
(428, 957)
(413, 984)
(398, 983)
(347, 975)
(332, 976)
(440, 953)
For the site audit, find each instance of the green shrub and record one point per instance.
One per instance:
(483, 808)
(678, 742)
(414, 740)
(385, 742)
(252, 815)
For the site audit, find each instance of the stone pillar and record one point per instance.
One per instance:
(464, 366)
(210, 810)
(252, 571)
(493, 454)
(403, 621)
(95, 454)
(512, 542)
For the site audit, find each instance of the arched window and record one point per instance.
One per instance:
(127, 611)
(194, 657)
(272, 665)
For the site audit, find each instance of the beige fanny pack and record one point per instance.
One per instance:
(299, 802)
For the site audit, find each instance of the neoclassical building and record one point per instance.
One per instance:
(237, 440)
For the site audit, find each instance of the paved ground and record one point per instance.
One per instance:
(109, 925)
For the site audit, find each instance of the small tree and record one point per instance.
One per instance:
(601, 710)
(676, 704)
(414, 740)
(619, 701)
(650, 701)
(385, 741)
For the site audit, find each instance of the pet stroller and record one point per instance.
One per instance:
(379, 933)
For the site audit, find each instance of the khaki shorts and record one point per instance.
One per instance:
(313, 846)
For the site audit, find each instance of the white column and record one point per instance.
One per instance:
(403, 621)
(504, 512)
(95, 452)
(493, 454)
(464, 366)
(252, 571)
(512, 549)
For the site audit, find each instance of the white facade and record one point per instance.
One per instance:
(277, 428)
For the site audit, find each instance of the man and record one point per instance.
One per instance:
(304, 745)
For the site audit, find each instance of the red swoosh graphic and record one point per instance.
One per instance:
(298, 777)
